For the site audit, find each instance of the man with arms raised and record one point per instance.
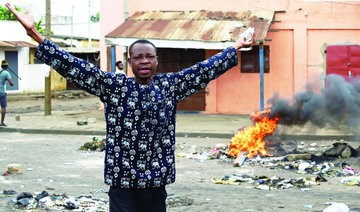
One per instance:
(140, 114)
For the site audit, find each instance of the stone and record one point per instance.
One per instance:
(293, 157)
(340, 150)
(80, 123)
(346, 153)
(14, 168)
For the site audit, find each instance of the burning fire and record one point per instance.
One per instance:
(251, 139)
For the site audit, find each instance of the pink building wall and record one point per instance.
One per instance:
(296, 48)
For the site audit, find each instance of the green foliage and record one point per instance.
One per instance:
(95, 18)
(39, 28)
(6, 14)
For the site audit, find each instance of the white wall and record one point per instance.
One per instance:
(23, 59)
(32, 75)
(13, 31)
(35, 77)
(80, 30)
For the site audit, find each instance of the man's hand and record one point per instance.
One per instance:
(27, 20)
(241, 42)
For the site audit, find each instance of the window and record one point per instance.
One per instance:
(250, 61)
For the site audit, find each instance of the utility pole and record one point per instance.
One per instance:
(89, 25)
(47, 76)
(125, 48)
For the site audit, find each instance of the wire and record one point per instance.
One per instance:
(344, 3)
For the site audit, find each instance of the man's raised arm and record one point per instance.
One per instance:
(27, 20)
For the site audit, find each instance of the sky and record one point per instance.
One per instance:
(58, 8)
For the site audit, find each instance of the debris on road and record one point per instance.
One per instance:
(14, 168)
(267, 183)
(176, 201)
(351, 181)
(82, 122)
(340, 150)
(240, 159)
(335, 206)
(43, 201)
(95, 145)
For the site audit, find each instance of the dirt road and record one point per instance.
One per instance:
(53, 163)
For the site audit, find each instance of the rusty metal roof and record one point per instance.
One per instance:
(16, 44)
(204, 26)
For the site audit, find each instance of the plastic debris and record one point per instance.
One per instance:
(351, 181)
(9, 192)
(240, 159)
(349, 170)
(266, 183)
(337, 207)
(95, 145)
(43, 201)
(303, 166)
(193, 149)
(174, 201)
(42, 195)
(83, 122)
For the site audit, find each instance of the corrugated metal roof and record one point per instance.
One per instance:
(205, 26)
(16, 44)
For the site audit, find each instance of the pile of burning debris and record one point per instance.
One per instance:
(248, 147)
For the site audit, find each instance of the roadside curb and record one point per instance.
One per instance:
(178, 134)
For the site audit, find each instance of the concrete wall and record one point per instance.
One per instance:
(296, 51)
(111, 16)
(32, 76)
(35, 75)
(13, 31)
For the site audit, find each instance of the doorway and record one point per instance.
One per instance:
(12, 58)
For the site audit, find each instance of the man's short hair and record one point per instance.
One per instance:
(118, 62)
(143, 41)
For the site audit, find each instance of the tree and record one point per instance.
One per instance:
(95, 18)
(6, 14)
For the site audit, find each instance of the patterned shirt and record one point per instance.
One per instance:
(140, 119)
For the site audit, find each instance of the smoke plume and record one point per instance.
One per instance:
(336, 105)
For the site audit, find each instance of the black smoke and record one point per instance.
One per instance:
(336, 106)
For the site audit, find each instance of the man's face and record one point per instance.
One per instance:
(120, 66)
(143, 62)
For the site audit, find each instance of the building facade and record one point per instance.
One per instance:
(296, 41)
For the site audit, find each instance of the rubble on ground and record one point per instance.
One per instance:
(95, 145)
(43, 201)
(320, 162)
(14, 168)
(270, 183)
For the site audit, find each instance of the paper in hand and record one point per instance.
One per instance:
(248, 33)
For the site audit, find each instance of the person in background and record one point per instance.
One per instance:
(120, 67)
(140, 114)
(4, 77)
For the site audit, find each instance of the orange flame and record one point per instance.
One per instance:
(251, 139)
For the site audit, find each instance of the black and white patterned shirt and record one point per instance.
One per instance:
(140, 119)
